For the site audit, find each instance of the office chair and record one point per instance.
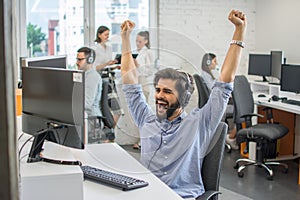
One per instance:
(203, 95)
(203, 91)
(106, 121)
(212, 164)
(263, 134)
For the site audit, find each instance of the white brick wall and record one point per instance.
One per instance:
(189, 28)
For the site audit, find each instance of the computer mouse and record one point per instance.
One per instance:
(262, 95)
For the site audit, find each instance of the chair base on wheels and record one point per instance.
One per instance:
(227, 147)
(265, 165)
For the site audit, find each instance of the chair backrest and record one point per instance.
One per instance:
(203, 91)
(242, 98)
(212, 163)
(108, 119)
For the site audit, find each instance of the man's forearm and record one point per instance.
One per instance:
(232, 59)
(128, 68)
(233, 56)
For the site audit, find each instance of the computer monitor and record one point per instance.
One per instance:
(290, 81)
(276, 62)
(53, 107)
(260, 64)
(45, 61)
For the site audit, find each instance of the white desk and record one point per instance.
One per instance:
(269, 90)
(113, 158)
(41, 180)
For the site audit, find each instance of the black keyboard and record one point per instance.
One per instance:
(112, 178)
(292, 102)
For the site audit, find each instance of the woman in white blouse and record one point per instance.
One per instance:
(104, 65)
(145, 65)
(145, 62)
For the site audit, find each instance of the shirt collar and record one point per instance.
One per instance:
(177, 119)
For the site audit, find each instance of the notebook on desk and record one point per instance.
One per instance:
(119, 57)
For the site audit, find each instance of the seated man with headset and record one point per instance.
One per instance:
(93, 81)
(173, 142)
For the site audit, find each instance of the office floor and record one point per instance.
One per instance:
(254, 184)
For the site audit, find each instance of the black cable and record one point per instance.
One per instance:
(161, 140)
(24, 145)
(61, 162)
(38, 132)
(155, 151)
(20, 136)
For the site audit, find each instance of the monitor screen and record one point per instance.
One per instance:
(290, 80)
(259, 64)
(46, 61)
(53, 99)
(276, 62)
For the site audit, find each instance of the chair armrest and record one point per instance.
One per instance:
(96, 117)
(252, 115)
(101, 117)
(208, 194)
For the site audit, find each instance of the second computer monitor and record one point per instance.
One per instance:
(59, 61)
(290, 80)
(260, 65)
(276, 62)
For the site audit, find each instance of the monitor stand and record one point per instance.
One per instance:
(264, 79)
(273, 83)
(37, 147)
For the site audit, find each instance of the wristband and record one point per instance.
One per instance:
(237, 42)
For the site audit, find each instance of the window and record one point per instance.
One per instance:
(112, 13)
(54, 28)
(60, 27)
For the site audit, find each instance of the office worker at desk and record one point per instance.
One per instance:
(174, 142)
(93, 81)
(210, 75)
(209, 72)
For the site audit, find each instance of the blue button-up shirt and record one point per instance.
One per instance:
(174, 150)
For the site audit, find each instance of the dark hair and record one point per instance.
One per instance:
(184, 82)
(208, 57)
(100, 30)
(89, 53)
(145, 35)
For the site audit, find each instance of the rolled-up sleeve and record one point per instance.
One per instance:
(137, 105)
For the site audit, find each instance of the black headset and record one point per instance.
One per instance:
(208, 60)
(189, 88)
(91, 57)
(277, 98)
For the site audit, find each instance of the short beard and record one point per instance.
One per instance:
(170, 111)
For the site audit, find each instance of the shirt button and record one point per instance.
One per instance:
(165, 142)
(165, 173)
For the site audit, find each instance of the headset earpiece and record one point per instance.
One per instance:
(91, 57)
(184, 100)
(208, 61)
